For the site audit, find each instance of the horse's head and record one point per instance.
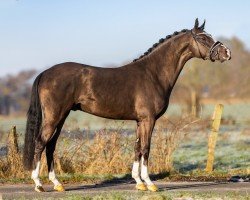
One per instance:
(205, 47)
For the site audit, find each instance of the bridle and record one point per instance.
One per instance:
(211, 49)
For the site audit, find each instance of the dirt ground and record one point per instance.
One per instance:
(26, 191)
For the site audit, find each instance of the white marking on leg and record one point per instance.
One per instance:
(135, 172)
(144, 173)
(35, 175)
(52, 177)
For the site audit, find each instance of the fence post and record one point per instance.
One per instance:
(13, 156)
(216, 119)
(12, 142)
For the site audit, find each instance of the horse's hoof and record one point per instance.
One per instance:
(141, 186)
(152, 188)
(39, 188)
(59, 188)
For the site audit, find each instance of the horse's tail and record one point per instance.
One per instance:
(34, 120)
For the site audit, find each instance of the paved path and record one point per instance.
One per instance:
(26, 190)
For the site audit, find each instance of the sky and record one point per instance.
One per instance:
(40, 34)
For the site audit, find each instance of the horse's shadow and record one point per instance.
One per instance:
(191, 185)
(126, 182)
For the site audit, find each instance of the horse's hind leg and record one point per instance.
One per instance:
(52, 116)
(47, 131)
(50, 148)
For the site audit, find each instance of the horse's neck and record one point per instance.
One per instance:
(167, 62)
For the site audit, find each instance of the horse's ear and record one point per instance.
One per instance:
(203, 25)
(196, 24)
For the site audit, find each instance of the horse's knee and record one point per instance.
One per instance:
(145, 155)
(137, 149)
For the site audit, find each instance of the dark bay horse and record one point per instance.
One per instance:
(138, 91)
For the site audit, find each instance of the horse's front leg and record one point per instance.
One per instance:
(136, 165)
(147, 127)
(144, 131)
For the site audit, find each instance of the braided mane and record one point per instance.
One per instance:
(162, 40)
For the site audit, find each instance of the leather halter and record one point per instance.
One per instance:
(211, 49)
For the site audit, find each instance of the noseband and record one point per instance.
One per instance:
(211, 49)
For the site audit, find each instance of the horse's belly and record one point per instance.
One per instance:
(110, 111)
